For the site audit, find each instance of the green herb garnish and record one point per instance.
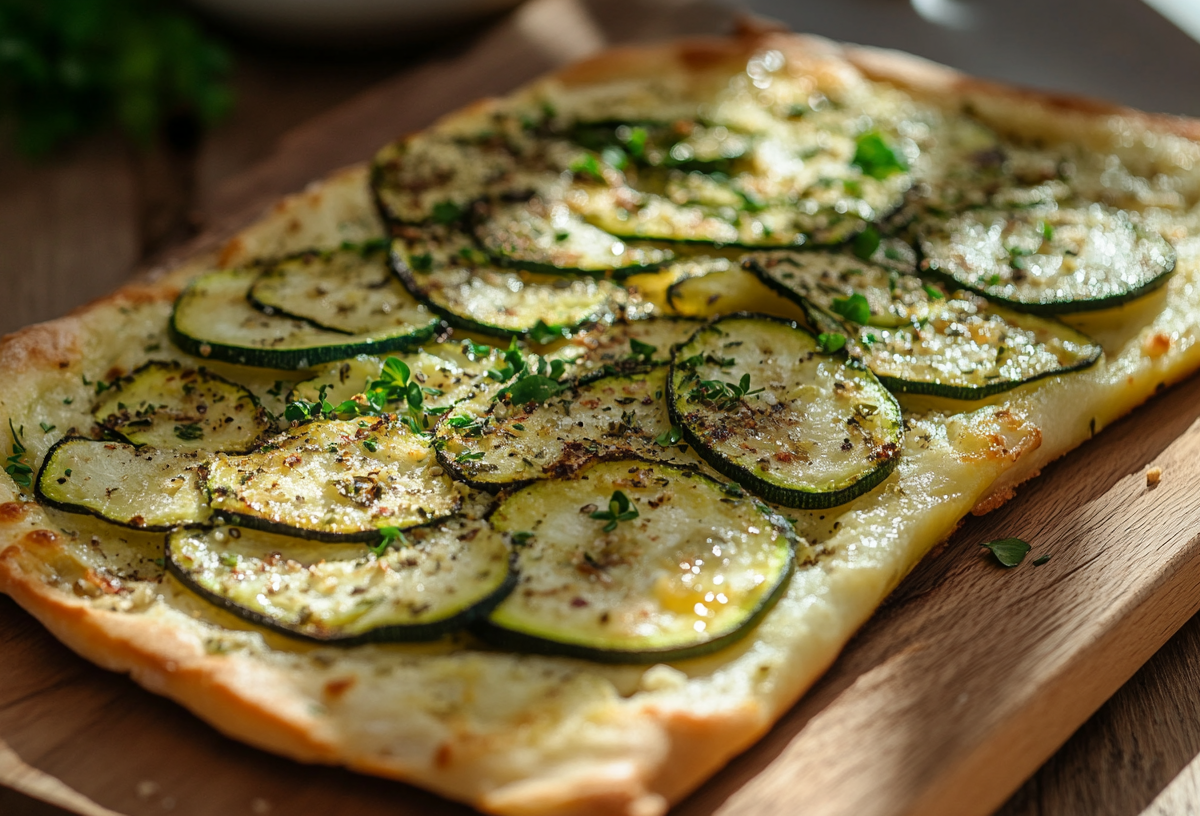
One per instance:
(866, 243)
(189, 432)
(389, 536)
(724, 395)
(446, 212)
(669, 437)
(855, 308)
(534, 388)
(831, 341)
(1041, 559)
(641, 351)
(1008, 551)
(873, 156)
(619, 509)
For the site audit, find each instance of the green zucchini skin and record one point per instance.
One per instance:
(357, 489)
(872, 343)
(247, 336)
(471, 559)
(170, 406)
(704, 432)
(557, 571)
(470, 292)
(74, 459)
(1002, 277)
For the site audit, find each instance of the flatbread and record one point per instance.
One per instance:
(526, 734)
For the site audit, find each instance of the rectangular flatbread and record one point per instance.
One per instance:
(763, 146)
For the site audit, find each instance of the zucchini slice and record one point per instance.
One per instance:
(725, 291)
(439, 579)
(447, 372)
(214, 319)
(1047, 259)
(915, 336)
(137, 487)
(688, 570)
(550, 238)
(459, 282)
(757, 398)
(813, 182)
(435, 177)
(350, 290)
(623, 414)
(334, 480)
(168, 405)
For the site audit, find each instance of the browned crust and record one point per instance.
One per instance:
(156, 656)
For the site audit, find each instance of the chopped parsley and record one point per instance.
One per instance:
(389, 536)
(1008, 551)
(189, 432)
(873, 156)
(669, 437)
(855, 308)
(447, 212)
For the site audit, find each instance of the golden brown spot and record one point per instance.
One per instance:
(10, 552)
(443, 756)
(335, 689)
(1156, 345)
(11, 512)
(41, 538)
(108, 584)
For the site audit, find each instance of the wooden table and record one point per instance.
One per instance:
(74, 228)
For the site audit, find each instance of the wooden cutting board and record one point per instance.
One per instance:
(966, 680)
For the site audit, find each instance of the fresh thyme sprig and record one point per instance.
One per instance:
(18, 468)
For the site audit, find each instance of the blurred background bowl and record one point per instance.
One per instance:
(340, 22)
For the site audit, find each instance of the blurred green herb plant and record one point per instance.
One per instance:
(70, 66)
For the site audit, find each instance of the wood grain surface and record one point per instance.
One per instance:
(952, 696)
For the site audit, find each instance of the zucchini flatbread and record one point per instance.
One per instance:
(545, 461)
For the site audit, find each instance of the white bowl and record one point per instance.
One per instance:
(340, 20)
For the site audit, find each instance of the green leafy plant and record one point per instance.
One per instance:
(70, 66)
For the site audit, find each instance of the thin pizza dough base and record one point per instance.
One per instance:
(519, 734)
